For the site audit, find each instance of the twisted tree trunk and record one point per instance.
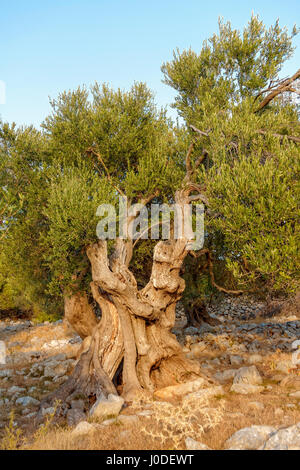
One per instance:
(135, 326)
(80, 314)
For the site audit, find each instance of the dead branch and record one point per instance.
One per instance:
(202, 133)
(280, 136)
(93, 152)
(199, 197)
(188, 158)
(281, 88)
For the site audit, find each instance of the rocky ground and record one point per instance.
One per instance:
(249, 397)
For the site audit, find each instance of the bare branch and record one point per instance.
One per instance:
(93, 152)
(199, 197)
(281, 88)
(280, 136)
(208, 255)
(202, 133)
(150, 197)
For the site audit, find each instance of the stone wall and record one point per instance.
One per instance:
(228, 308)
(231, 307)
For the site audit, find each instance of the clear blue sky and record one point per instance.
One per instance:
(47, 46)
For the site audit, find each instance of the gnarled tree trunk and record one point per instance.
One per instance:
(135, 324)
(80, 314)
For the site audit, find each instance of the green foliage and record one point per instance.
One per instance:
(258, 213)
(134, 150)
(25, 278)
(230, 67)
(97, 144)
(251, 178)
(71, 215)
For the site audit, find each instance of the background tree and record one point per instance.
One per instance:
(24, 277)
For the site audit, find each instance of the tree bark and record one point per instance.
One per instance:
(79, 313)
(136, 324)
(100, 359)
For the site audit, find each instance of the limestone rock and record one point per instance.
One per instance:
(247, 375)
(205, 393)
(110, 406)
(178, 391)
(83, 428)
(249, 438)
(128, 419)
(48, 411)
(27, 401)
(284, 439)
(191, 444)
(56, 370)
(236, 360)
(2, 353)
(5, 373)
(15, 390)
(255, 358)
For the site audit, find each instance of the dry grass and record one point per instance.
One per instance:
(165, 429)
(211, 423)
(239, 414)
(171, 424)
(12, 438)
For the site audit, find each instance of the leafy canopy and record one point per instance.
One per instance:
(250, 170)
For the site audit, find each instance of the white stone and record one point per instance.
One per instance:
(148, 413)
(249, 438)
(295, 394)
(5, 373)
(255, 358)
(284, 439)
(83, 428)
(191, 444)
(15, 389)
(110, 406)
(27, 401)
(247, 375)
(127, 419)
(48, 411)
(205, 393)
(177, 391)
(2, 352)
(57, 370)
(236, 360)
